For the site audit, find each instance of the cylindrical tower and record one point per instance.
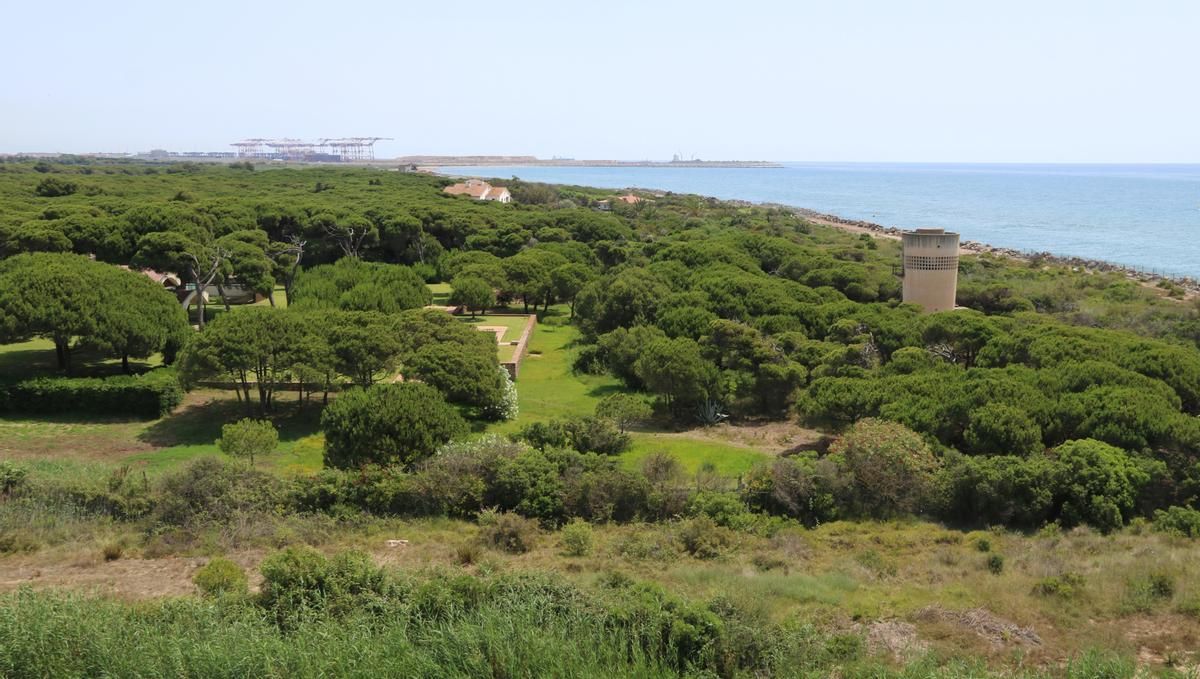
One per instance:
(930, 268)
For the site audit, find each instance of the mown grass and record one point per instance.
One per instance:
(513, 326)
(163, 444)
(547, 388)
(694, 454)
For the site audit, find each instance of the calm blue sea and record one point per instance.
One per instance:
(1147, 216)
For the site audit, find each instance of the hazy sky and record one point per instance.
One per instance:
(963, 80)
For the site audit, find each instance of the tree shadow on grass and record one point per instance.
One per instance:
(200, 423)
(28, 363)
(603, 390)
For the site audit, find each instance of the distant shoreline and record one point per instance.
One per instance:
(1190, 285)
(531, 161)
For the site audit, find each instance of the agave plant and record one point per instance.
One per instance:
(711, 412)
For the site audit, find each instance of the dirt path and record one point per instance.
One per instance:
(775, 438)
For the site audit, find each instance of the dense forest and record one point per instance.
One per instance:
(1055, 399)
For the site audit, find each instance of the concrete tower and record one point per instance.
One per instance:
(930, 268)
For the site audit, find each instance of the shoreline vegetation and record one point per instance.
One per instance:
(1190, 285)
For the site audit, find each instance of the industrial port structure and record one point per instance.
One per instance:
(347, 149)
(930, 268)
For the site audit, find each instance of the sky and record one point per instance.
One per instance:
(835, 80)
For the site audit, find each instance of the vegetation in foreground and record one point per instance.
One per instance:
(1062, 403)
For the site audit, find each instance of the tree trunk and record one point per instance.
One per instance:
(221, 292)
(125, 363)
(60, 353)
(271, 298)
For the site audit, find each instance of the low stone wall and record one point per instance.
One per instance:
(514, 366)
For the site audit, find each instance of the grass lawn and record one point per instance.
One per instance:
(441, 293)
(694, 453)
(513, 324)
(158, 445)
(547, 389)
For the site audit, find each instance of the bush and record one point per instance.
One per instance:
(209, 490)
(388, 424)
(300, 583)
(703, 538)
(466, 374)
(1183, 521)
(12, 478)
(624, 410)
(1101, 484)
(725, 509)
(892, 466)
(1065, 586)
(53, 187)
(1002, 490)
(576, 538)
(506, 407)
(995, 564)
(802, 487)
(247, 438)
(507, 532)
(594, 435)
(148, 396)
(1144, 593)
(586, 435)
(220, 576)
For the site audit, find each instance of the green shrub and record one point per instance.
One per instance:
(1144, 593)
(586, 435)
(1102, 483)
(1065, 586)
(995, 564)
(702, 538)
(248, 438)
(576, 538)
(209, 490)
(388, 424)
(892, 466)
(507, 532)
(148, 396)
(983, 545)
(595, 435)
(300, 583)
(12, 478)
(726, 509)
(53, 187)
(1183, 521)
(221, 576)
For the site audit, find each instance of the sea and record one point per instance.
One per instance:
(1142, 216)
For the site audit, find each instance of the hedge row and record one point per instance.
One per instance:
(150, 396)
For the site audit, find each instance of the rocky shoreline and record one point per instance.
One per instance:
(1190, 285)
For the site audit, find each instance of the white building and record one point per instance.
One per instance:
(479, 190)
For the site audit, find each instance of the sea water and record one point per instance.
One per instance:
(1145, 216)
